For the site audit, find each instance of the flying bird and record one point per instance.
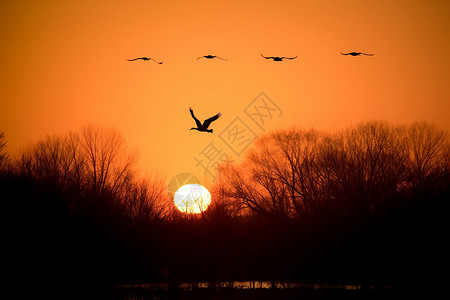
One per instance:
(211, 57)
(206, 123)
(145, 58)
(357, 54)
(277, 58)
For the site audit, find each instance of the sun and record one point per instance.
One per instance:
(192, 198)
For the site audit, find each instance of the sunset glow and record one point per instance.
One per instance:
(239, 149)
(65, 65)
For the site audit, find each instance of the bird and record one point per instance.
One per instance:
(209, 56)
(145, 58)
(203, 127)
(357, 54)
(277, 58)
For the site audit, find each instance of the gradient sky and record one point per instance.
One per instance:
(64, 65)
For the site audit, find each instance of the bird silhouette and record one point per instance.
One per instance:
(145, 58)
(277, 58)
(206, 123)
(357, 54)
(211, 57)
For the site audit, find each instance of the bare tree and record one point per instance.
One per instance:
(299, 170)
(94, 164)
(144, 199)
(428, 154)
(55, 160)
(280, 176)
(3, 153)
(241, 189)
(223, 207)
(295, 172)
(363, 166)
(106, 161)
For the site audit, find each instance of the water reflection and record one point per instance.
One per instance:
(246, 285)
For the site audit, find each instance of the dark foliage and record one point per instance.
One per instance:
(304, 206)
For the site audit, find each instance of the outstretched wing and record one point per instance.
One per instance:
(289, 57)
(368, 54)
(200, 57)
(196, 120)
(221, 58)
(157, 61)
(208, 121)
(345, 53)
(267, 57)
(143, 58)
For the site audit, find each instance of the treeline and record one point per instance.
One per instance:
(295, 173)
(89, 166)
(366, 203)
(71, 207)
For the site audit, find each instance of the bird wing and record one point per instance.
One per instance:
(208, 121)
(221, 58)
(289, 57)
(133, 59)
(267, 57)
(157, 61)
(345, 53)
(368, 54)
(196, 120)
(200, 57)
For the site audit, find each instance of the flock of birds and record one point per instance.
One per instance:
(274, 58)
(204, 127)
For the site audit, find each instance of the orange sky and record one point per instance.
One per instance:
(64, 65)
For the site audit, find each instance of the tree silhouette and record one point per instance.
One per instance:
(51, 160)
(106, 161)
(364, 166)
(223, 208)
(428, 157)
(144, 199)
(280, 177)
(290, 173)
(3, 153)
(344, 205)
(93, 166)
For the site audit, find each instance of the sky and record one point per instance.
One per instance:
(64, 65)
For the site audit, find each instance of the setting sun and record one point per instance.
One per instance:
(192, 198)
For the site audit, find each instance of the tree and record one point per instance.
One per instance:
(223, 208)
(106, 161)
(3, 153)
(93, 169)
(428, 155)
(363, 166)
(280, 176)
(293, 173)
(299, 169)
(144, 199)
